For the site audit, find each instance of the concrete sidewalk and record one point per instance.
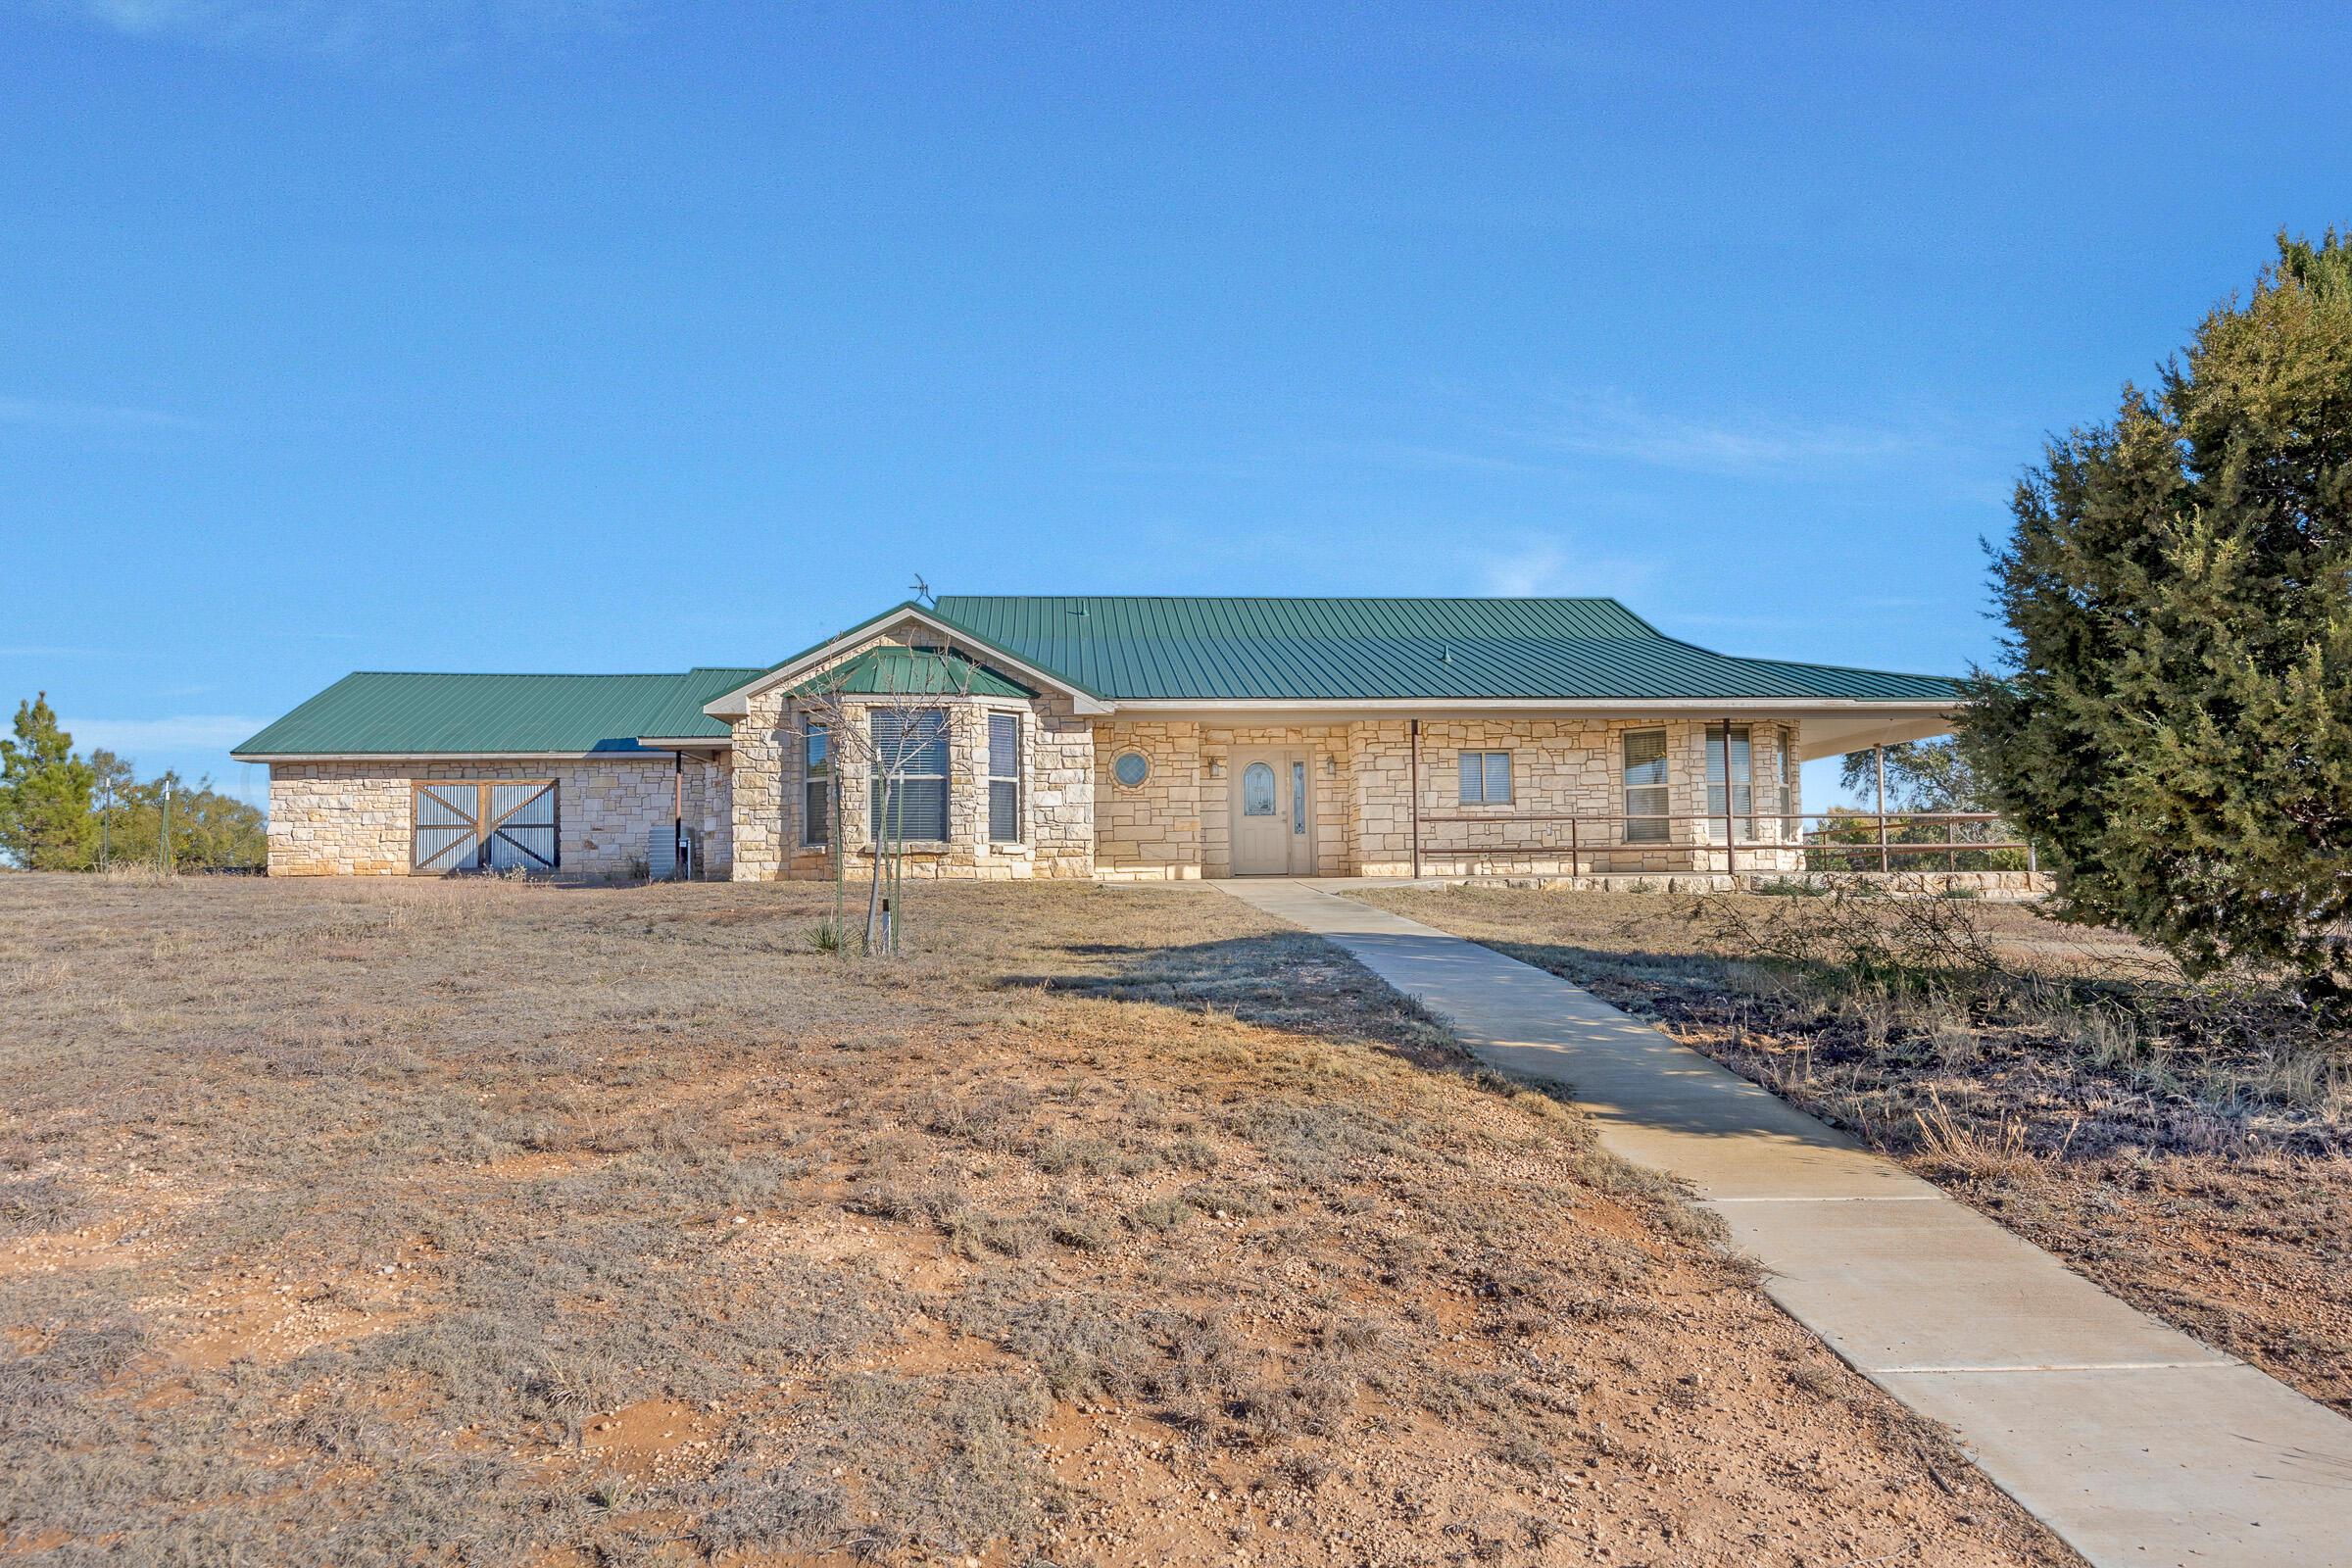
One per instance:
(2134, 1443)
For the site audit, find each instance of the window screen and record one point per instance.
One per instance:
(1742, 797)
(816, 784)
(1005, 778)
(910, 774)
(1646, 787)
(1486, 778)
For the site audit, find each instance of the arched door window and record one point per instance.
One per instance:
(1257, 790)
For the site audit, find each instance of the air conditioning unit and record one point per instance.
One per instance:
(663, 862)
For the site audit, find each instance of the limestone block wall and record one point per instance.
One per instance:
(357, 819)
(764, 817)
(717, 815)
(1179, 823)
(1559, 767)
(1326, 747)
(1064, 795)
(764, 830)
(1058, 794)
(1151, 831)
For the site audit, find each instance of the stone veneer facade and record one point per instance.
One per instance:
(1057, 788)
(353, 818)
(1178, 822)
(356, 818)
(1077, 821)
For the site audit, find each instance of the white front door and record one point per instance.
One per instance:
(1273, 813)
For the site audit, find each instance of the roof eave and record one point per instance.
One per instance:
(1408, 707)
(414, 755)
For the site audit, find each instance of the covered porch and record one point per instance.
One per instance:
(1555, 795)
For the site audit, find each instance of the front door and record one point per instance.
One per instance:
(1273, 813)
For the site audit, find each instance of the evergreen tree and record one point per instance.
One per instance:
(2174, 720)
(45, 822)
(50, 805)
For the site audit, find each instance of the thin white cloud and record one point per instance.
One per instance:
(333, 26)
(183, 732)
(1540, 567)
(59, 413)
(1745, 446)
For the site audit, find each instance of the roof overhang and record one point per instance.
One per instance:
(1829, 726)
(735, 703)
(686, 743)
(609, 754)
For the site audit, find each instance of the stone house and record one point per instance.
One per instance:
(1117, 737)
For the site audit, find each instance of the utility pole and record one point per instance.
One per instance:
(163, 847)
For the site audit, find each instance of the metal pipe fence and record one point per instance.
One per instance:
(1840, 837)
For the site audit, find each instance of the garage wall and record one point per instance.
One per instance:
(354, 818)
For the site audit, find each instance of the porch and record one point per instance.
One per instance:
(1548, 797)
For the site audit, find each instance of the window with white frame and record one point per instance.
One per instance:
(816, 783)
(909, 796)
(1742, 799)
(1486, 778)
(1005, 778)
(1645, 798)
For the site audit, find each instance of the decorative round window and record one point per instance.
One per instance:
(1131, 769)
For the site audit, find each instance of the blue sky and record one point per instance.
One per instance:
(590, 334)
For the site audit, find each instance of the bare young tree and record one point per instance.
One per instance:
(887, 722)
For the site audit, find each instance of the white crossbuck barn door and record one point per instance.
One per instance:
(485, 826)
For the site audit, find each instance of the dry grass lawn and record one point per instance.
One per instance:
(491, 1223)
(2190, 1149)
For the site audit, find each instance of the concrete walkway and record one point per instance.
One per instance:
(2134, 1443)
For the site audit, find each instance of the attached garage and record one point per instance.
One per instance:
(390, 774)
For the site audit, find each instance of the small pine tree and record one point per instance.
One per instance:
(2174, 720)
(45, 822)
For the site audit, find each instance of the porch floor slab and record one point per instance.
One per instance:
(2134, 1443)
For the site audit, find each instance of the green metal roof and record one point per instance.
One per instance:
(891, 670)
(1114, 647)
(1234, 649)
(399, 713)
(680, 715)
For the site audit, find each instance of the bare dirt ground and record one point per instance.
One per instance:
(490, 1223)
(2189, 1150)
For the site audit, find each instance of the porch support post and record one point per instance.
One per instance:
(1413, 786)
(1730, 865)
(1881, 750)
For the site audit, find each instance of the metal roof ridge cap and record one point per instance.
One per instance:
(538, 674)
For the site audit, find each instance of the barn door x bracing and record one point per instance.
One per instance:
(484, 826)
